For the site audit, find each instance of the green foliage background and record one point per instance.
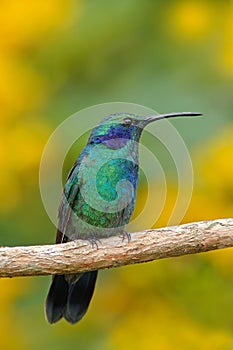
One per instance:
(60, 56)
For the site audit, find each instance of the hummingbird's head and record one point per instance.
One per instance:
(116, 130)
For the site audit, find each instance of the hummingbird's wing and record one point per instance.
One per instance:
(69, 295)
(69, 194)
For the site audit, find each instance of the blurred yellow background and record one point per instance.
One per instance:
(57, 57)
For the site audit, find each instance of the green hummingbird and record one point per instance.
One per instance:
(98, 201)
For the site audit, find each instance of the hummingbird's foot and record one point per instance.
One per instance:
(125, 235)
(94, 242)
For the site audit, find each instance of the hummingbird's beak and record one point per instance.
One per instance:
(153, 118)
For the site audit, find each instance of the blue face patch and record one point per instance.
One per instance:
(116, 136)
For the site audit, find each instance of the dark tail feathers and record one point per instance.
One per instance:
(69, 296)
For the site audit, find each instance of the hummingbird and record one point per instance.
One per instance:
(98, 200)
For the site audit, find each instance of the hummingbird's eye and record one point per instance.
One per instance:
(127, 122)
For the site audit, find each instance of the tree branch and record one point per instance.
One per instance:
(80, 255)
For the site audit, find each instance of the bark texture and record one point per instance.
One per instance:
(80, 255)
